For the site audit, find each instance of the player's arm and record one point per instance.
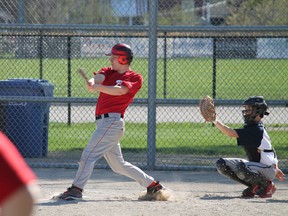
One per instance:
(111, 90)
(97, 79)
(225, 129)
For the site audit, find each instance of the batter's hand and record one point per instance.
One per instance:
(91, 88)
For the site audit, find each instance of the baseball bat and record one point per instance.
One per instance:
(83, 75)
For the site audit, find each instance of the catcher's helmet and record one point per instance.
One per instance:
(259, 107)
(124, 52)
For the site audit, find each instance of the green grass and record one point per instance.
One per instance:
(179, 138)
(185, 78)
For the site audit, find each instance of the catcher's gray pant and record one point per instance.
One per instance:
(105, 142)
(268, 171)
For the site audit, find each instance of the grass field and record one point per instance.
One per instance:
(184, 78)
(179, 138)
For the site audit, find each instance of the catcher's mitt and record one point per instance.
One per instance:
(207, 109)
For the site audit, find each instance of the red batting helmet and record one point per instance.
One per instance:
(123, 51)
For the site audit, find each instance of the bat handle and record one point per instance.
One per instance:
(82, 73)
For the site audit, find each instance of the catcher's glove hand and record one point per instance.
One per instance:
(207, 109)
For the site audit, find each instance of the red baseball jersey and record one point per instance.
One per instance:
(118, 104)
(14, 172)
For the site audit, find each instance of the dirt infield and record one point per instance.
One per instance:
(192, 193)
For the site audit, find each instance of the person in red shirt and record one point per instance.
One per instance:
(18, 181)
(117, 84)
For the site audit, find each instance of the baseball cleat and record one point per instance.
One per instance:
(72, 193)
(155, 192)
(154, 187)
(268, 191)
(250, 192)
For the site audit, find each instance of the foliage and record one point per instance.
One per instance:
(61, 12)
(177, 16)
(172, 12)
(257, 12)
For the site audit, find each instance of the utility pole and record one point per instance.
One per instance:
(21, 12)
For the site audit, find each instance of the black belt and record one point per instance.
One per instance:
(268, 150)
(106, 115)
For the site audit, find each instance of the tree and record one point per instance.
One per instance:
(257, 12)
(177, 16)
(60, 11)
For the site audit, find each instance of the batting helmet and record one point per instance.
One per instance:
(259, 107)
(124, 52)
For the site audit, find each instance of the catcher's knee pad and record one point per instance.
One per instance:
(226, 171)
(243, 172)
(221, 166)
(249, 176)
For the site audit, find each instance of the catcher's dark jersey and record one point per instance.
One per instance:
(257, 144)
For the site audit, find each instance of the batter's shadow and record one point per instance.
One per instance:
(58, 202)
(73, 202)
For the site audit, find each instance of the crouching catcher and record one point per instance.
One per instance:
(258, 172)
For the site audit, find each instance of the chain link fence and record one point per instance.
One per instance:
(183, 49)
(136, 12)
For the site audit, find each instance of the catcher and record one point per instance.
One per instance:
(261, 167)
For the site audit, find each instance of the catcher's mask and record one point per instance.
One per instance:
(254, 106)
(124, 52)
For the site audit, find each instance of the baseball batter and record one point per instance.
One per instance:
(261, 167)
(117, 85)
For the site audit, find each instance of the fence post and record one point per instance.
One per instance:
(152, 71)
(41, 55)
(165, 65)
(214, 68)
(69, 77)
(21, 11)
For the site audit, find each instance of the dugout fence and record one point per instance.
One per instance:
(179, 65)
